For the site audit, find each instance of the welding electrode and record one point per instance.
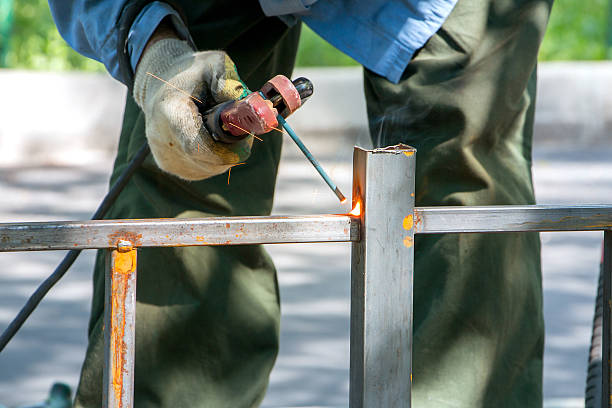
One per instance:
(305, 89)
(232, 121)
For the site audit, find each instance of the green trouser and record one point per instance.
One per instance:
(207, 317)
(466, 102)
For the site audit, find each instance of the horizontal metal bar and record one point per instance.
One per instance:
(177, 232)
(273, 230)
(433, 220)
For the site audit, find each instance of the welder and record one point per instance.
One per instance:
(455, 79)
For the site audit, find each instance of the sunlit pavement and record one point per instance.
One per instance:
(312, 368)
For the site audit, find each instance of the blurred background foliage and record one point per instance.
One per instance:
(578, 30)
(34, 42)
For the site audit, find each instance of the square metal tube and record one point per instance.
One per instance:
(381, 278)
(119, 327)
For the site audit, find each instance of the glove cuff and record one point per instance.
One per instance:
(157, 60)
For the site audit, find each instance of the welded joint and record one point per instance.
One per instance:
(124, 246)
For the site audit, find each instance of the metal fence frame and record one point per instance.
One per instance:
(382, 237)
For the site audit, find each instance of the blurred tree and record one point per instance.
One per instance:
(36, 44)
(6, 22)
(577, 30)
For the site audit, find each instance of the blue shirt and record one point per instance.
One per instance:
(381, 35)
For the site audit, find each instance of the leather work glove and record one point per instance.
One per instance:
(179, 141)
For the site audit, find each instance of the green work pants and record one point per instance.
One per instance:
(207, 317)
(466, 102)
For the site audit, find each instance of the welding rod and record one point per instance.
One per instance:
(310, 157)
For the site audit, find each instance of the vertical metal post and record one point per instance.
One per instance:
(606, 400)
(119, 326)
(381, 278)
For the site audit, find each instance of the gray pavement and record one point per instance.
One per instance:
(312, 368)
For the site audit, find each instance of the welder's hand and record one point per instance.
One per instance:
(179, 141)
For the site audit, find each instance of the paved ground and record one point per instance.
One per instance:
(313, 365)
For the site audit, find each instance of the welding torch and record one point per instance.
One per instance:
(262, 112)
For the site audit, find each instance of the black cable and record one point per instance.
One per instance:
(72, 255)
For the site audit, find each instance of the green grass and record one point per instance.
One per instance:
(577, 31)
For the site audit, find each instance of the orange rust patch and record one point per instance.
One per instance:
(417, 220)
(201, 239)
(408, 242)
(124, 264)
(408, 222)
(115, 237)
(408, 153)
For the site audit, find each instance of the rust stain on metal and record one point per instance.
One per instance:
(115, 237)
(409, 153)
(201, 239)
(124, 264)
(408, 241)
(408, 222)
(240, 231)
(125, 261)
(417, 220)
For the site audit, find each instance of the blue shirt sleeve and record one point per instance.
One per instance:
(146, 22)
(382, 35)
(90, 27)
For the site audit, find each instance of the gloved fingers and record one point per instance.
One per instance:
(179, 140)
(223, 79)
(185, 126)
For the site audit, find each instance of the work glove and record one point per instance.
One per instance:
(179, 141)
